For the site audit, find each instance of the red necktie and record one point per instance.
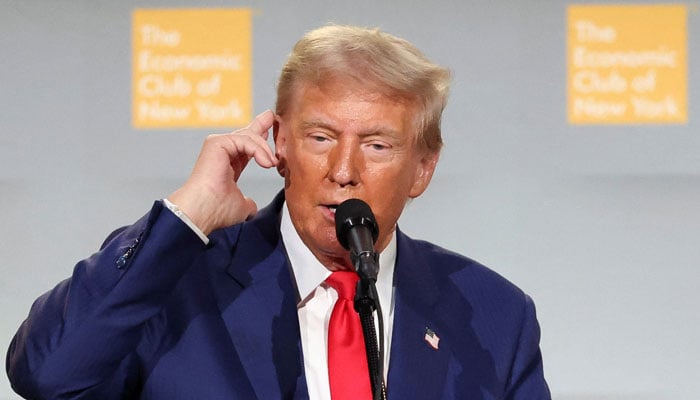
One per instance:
(348, 373)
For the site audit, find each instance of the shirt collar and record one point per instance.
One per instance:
(309, 273)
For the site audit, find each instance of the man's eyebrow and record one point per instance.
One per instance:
(382, 132)
(316, 123)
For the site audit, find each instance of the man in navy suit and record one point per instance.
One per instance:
(207, 298)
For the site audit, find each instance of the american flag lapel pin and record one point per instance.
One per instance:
(431, 338)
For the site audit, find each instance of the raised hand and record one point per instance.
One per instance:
(211, 197)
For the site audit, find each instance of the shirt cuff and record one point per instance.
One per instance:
(176, 210)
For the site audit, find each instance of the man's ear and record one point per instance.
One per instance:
(280, 137)
(424, 173)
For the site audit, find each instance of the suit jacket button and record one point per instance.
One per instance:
(121, 261)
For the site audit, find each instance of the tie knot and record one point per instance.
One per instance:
(344, 282)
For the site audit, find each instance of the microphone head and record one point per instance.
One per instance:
(352, 213)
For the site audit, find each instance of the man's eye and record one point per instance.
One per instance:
(319, 138)
(379, 146)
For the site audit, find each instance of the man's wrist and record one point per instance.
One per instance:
(180, 214)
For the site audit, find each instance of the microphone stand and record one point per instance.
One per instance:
(366, 301)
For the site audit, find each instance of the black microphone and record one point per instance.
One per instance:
(357, 231)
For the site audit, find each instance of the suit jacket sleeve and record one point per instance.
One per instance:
(527, 376)
(79, 339)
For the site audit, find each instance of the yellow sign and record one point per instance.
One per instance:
(627, 64)
(191, 68)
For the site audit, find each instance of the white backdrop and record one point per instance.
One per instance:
(599, 224)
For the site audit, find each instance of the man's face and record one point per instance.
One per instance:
(339, 141)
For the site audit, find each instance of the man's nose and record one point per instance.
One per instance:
(345, 163)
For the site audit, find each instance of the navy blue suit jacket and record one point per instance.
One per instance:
(156, 314)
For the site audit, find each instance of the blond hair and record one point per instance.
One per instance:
(374, 59)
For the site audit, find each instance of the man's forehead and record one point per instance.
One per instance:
(316, 106)
(304, 114)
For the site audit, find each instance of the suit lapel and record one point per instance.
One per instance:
(416, 368)
(259, 309)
